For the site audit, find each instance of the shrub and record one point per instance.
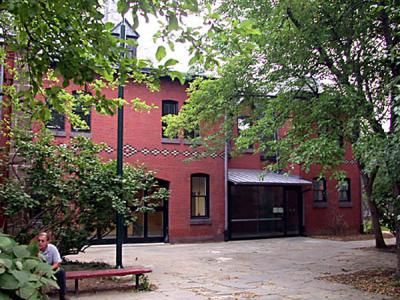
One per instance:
(69, 191)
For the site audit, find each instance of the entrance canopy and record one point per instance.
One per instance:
(260, 177)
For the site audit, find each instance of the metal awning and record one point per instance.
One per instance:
(260, 177)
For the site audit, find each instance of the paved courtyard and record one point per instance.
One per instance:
(284, 268)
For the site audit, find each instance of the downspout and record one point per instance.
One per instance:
(226, 229)
(226, 233)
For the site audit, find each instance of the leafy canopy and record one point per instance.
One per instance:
(318, 72)
(57, 43)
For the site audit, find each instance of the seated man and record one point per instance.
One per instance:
(52, 256)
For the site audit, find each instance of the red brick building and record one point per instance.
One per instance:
(216, 197)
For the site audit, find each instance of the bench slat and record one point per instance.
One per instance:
(105, 273)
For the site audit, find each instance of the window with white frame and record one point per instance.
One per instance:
(200, 199)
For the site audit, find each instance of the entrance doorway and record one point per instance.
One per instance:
(257, 211)
(149, 227)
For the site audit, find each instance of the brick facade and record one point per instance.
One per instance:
(143, 144)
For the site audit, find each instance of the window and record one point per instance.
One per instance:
(344, 191)
(199, 196)
(319, 190)
(243, 123)
(84, 115)
(192, 134)
(267, 155)
(57, 121)
(169, 107)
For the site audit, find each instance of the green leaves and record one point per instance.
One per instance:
(22, 275)
(172, 22)
(8, 282)
(21, 251)
(170, 62)
(71, 179)
(161, 53)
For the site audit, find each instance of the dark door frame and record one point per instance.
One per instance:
(285, 188)
(145, 239)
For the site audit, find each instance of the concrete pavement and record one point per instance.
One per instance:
(282, 268)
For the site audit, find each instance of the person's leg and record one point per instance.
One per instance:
(61, 281)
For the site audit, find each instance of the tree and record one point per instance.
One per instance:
(324, 70)
(68, 191)
(60, 42)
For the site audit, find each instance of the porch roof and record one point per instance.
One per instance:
(260, 177)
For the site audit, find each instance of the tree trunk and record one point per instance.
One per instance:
(396, 192)
(368, 182)
(379, 240)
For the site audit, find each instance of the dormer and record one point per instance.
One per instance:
(130, 34)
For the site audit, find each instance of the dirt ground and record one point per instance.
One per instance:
(374, 281)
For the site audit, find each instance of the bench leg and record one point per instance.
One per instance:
(77, 287)
(137, 280)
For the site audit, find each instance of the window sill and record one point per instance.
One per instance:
(59, 133)
(200, 222)
(170, 141)
(81, 133)
(320, 204)
(188, 142)
(345, 204)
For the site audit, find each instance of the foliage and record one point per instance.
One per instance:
(22, 273)
(324, 75)
(62, 42)
(69, 191)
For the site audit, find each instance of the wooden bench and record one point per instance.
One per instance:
(77, 275)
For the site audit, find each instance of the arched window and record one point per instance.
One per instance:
(200, 196)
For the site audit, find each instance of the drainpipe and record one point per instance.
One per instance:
(226, 154)
(226, 189)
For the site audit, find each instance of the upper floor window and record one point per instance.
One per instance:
(243, 123)
(84, 114)
(169, 107)
(200, 200)
(319, 190)
(57, 120)
(344, 190)
(267, 154)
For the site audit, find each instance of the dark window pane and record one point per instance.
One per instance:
(244, 123)
(57, 121)
(319, 190)
(345, 191)
(199, 196)
(84, 114)
(169, 107)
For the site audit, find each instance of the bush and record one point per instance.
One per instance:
(22, 272)
(69, 191)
